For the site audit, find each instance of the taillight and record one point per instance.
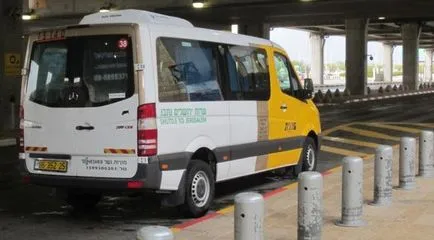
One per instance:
(135, 184)
(21, 131)
(147, 130)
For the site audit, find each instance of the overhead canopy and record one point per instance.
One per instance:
(322, 16)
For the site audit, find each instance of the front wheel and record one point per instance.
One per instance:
(308, 159)
(199, 187)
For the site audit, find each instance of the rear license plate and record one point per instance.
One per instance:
(51, 165)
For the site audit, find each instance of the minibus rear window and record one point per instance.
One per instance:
(81, 71)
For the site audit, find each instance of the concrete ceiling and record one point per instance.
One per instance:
(323, 16)
(387, 32)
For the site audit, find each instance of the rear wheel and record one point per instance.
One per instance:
(83, 201)
(199, 187)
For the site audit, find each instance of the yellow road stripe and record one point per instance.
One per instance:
(428, 125)
(226, 210)
(291, 186)
(351, 141)
(333, 129)
(344, 152)
(368, 133)
(334, 170)
(391, 127)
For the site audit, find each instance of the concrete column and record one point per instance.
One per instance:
(410, 37)
(11, 55)
(356, 59)
(428, 65)
(317, 42)
(261, 30)
(388, 62)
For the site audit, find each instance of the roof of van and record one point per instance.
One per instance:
(151, 18)
(134, 16)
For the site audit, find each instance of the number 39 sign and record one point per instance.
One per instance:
(122, 43)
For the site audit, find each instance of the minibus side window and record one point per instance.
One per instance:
(187, 70)
(248, 73)
(294, 78)
(283, 73)
(286, 75)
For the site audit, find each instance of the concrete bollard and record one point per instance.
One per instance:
(407, 159)
(337, 94)
(310, 206)
(249, 216)
(426, 154)
(383, 176)
(352, 192)
(388, 89)
(155, 233)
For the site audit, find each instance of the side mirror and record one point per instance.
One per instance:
(308, 84)
(303, 94)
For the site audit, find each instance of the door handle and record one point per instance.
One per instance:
(80, 128)
(283, 107)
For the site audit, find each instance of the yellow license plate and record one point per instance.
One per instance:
(51, 165)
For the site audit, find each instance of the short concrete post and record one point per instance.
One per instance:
(155, 233)
(310, 206)
(249, 216)
(407, 159)
(383, 176)
(352, 192)
(426, 153)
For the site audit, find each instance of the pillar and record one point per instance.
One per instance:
(428, 65)
(410, 48)
(317, 42)
(356, 55)
(261, 30)
(11, 55)
(388, 62)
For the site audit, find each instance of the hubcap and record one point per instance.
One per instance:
(310, 158)
(200, 189)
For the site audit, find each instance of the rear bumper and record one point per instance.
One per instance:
(148, 176)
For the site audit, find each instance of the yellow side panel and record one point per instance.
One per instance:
(279, 119)
(276, 160)
(287, 124)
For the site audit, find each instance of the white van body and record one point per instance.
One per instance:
(99, 145)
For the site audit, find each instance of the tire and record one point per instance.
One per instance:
(308, 158)
(83, 201)
(199, 189)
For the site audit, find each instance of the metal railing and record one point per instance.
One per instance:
(341, 87)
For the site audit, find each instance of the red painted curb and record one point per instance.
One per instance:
(196, 221)
(212, 215)
(326, 173)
